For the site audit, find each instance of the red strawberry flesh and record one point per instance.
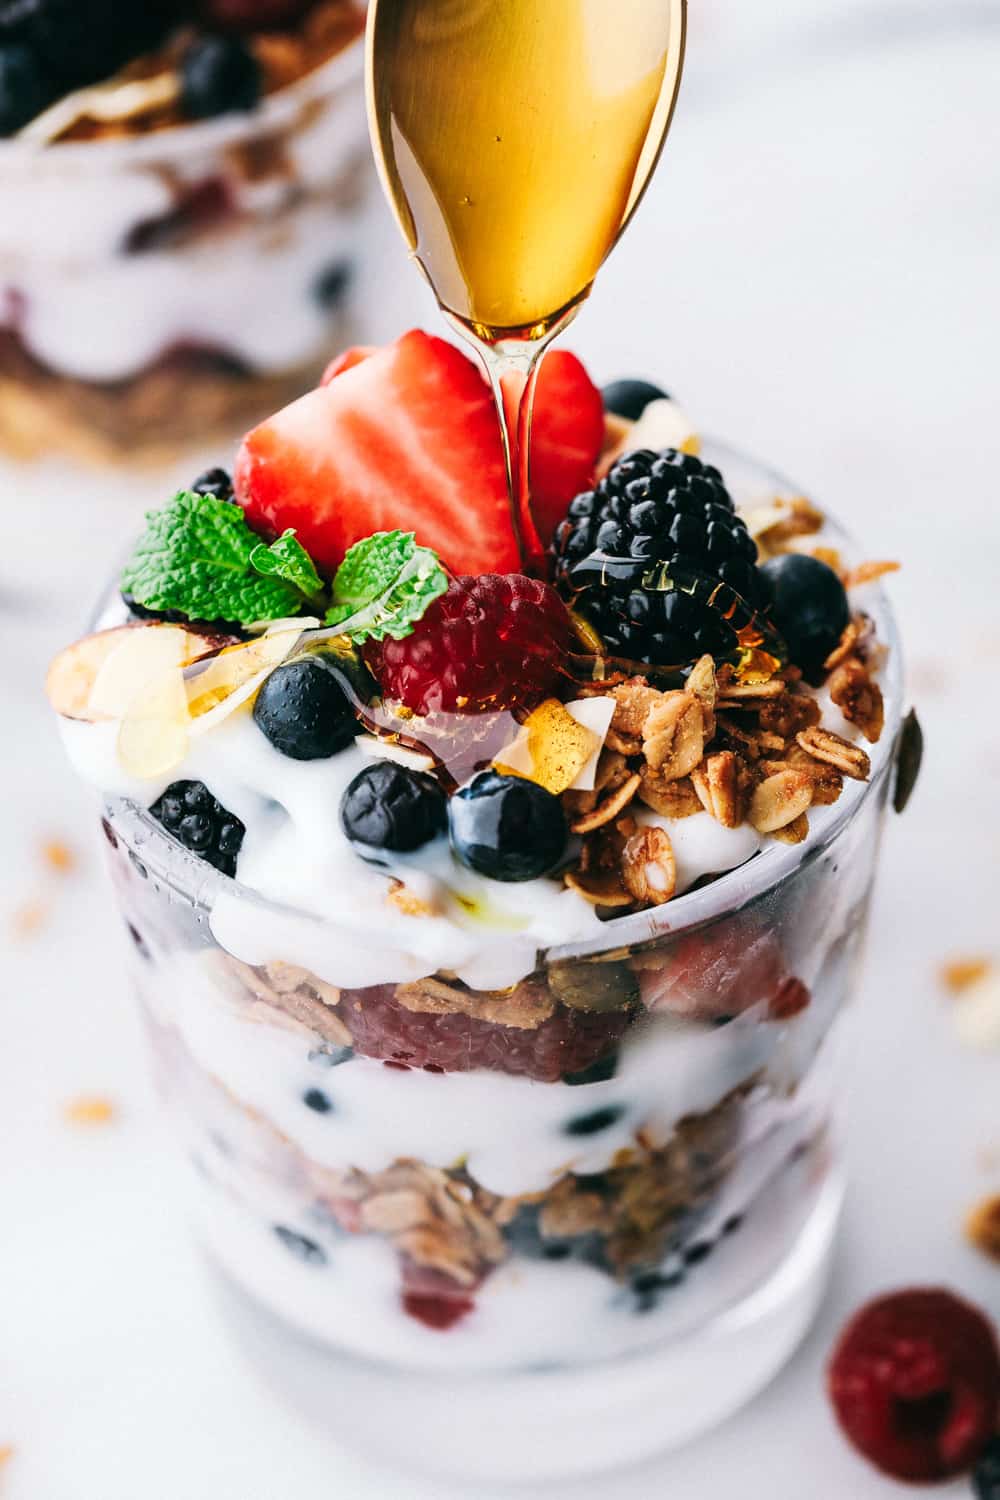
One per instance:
(567, 432)
(407, 440)
(407, 437)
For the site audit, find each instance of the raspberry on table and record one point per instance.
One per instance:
(915, 1383)
(655, 509)
(197, 820)
(488, 643)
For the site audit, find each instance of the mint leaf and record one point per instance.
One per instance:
(195, 557)
(384, 585)
(288, 559)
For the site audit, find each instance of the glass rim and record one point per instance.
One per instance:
(197, 882)
(276, 111)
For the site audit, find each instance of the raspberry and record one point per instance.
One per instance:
(433, 1298)
(668, 514)
(488, 643)
(915, 1381)
(567, 1042)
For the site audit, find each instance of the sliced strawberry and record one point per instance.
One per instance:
(346, 361)
(407, 438)
(567, 431)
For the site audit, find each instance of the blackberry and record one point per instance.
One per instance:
(189, 812)
(644, 553)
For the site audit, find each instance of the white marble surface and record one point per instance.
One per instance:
(815, 275)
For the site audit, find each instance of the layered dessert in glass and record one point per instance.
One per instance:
(182, 186)
(496, 934)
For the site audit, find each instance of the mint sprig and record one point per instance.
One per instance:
(199, 557)
(288, 560)
(384, 585)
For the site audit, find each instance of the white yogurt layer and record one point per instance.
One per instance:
(295, 852)
(527, 1313)
(511, 1132)
(248, 291)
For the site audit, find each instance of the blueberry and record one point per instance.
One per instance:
(507, 828)
(329, 1055)
(388, 806)
(696, 1253)
(301, 1245)
(141, 945)
(218, 73)
(331, 283)
(303, 709)
(649, 1287)
(525, 1236)
(629, 398)
(214, 482)
(595, 1121)
(24, 90)
(315, 1099)
(810, 607)
(598, 1072)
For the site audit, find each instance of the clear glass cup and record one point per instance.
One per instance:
(594, 1214)
(166, 287)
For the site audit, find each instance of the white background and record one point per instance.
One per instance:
(814, 274)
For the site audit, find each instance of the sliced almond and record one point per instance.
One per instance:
(73, 674)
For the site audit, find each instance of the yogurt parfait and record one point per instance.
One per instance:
(495, 933)
(182, 182)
